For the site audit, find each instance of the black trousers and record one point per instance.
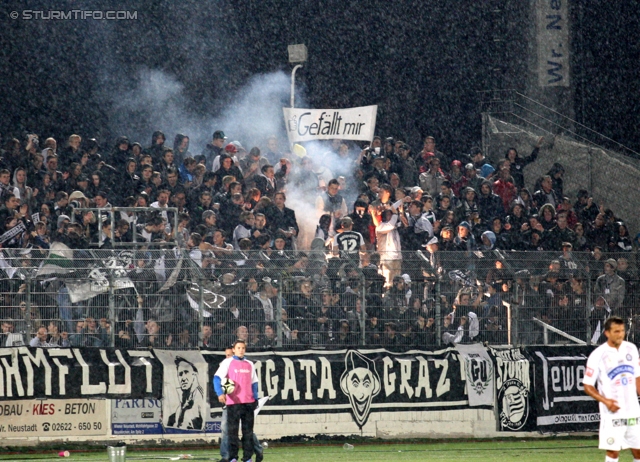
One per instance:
(237, 413)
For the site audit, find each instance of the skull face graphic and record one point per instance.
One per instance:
(361, 383)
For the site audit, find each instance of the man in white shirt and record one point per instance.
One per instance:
(614, 367)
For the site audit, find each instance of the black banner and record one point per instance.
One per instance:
(562, 404)
(357, 381)
(27, 373)
(514, 389)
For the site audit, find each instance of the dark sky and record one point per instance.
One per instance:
(421, 61)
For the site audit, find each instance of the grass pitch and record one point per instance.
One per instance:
(531, 450)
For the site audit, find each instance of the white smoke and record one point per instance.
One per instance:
(158, 102)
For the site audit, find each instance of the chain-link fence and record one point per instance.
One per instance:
(169, 298)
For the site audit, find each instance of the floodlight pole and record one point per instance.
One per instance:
(293, 84)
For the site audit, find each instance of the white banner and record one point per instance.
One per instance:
(136, 417)
(53, 417)
(553, 43)
(479, 372)
(358, 123)
(184, 391)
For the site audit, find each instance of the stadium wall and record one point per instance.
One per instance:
(467, 391)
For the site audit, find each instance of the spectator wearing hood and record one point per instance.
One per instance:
(121, 153)
(181, 148)
(504, 187)
(130, 180)
(156, 150)
(488, 239)
(228, 168)
(611, 287)
(489, 204)
(468, 209)
(620, 241)
(464, 239)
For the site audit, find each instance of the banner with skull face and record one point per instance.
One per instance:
(361, 382)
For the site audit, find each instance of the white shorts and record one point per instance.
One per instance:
(619, 434)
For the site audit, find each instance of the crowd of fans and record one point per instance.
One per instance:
(387, 217)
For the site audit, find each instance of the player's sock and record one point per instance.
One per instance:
(636, 460)
(610, 459)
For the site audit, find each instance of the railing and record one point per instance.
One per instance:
(519, 109)
(171, 298)
(547, 327)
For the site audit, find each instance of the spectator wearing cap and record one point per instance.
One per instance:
(611, 287)
(83, 183)
(214, 149)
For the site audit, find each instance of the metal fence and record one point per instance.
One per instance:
(170, 298)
